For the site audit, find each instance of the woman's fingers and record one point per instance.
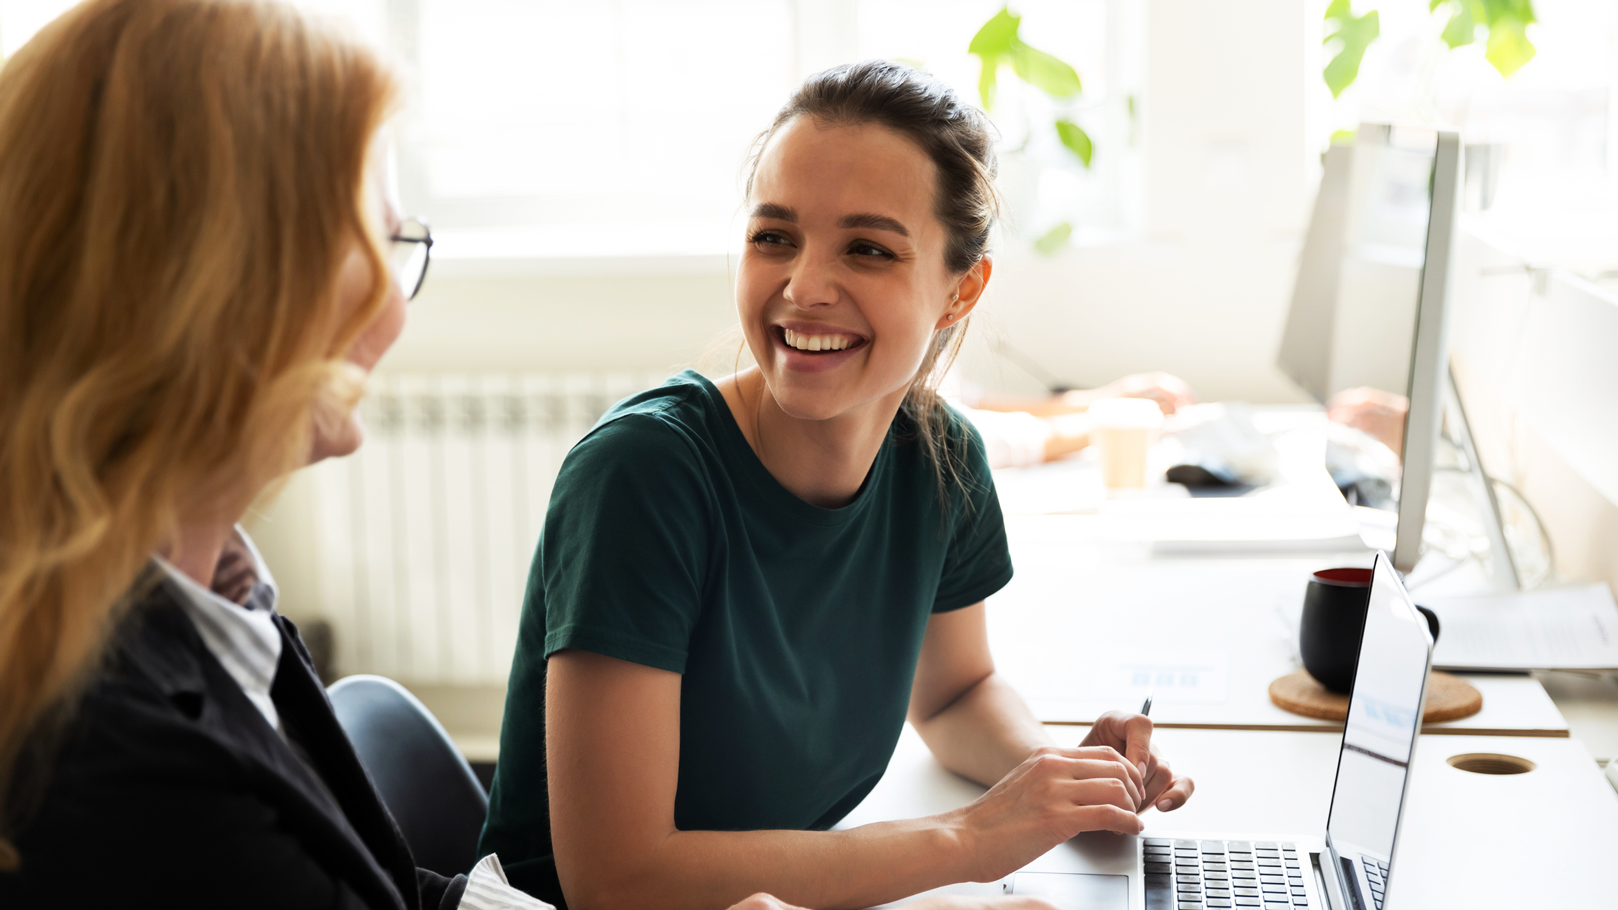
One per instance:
(1086, 770)
(1165, 791)
(1129, 734)
(1108, 755)
(1107, 818)
(955, 902)
(1176, 795)
(762, 901)
(1102, 791)
(1138, 743)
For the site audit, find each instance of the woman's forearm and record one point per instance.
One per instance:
(984, 733)
(872, 864)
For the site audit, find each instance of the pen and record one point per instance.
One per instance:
(1146, 706)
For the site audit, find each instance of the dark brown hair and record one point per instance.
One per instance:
(959, 140)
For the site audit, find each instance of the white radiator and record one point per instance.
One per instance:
(425, 535)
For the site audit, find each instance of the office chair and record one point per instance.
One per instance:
(423, 779)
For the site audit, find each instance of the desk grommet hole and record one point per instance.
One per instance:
(1490, 763)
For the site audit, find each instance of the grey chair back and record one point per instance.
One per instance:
(424, 780)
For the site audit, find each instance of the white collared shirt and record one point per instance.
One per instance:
(245, 641)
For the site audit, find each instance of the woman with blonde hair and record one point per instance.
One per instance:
(199, 261)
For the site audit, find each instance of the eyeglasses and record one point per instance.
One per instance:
(411, 251)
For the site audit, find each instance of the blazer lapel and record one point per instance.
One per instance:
(312, 809)
(299, 694)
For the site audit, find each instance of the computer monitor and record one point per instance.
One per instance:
(1369, 307)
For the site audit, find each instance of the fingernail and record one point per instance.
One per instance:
(1142, 767)
(1164, 805)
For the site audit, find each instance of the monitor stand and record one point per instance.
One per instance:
(1504, 565)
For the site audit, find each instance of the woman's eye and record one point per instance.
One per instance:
(869, 250)
(768, 238)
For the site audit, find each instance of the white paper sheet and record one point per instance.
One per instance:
(1124, 678)
(1574, 628)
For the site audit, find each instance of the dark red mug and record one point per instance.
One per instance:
(1333, 622)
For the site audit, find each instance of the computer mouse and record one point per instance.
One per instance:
(1194, 475)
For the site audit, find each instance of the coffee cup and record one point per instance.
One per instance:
(1333, 620)
(1122, 429)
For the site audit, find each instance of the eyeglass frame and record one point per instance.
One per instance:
(427, 254)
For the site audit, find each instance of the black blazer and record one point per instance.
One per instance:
(167, 788)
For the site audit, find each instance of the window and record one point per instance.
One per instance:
(620, 128)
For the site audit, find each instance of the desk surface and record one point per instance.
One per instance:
(1541, 839)
(1088, 625)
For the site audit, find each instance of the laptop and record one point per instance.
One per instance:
(1349, 866)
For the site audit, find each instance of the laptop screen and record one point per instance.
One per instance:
(1383, 712)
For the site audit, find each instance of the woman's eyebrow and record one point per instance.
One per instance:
(866, 220)
(776, 212)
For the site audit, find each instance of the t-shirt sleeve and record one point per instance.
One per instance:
(625, 547)
(978, 562)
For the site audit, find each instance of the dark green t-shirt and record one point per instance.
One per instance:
(796, 628)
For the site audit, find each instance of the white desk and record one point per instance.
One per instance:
(1541, 839)
(1084, 616)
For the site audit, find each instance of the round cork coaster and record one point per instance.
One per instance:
(1448, 698)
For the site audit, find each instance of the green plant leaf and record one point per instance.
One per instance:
(992, 44)
(1054, 239)
(1044, 72)
(1461, 28)
(1491, 10)
(1352, 35)
(1076, 139)
(995, 37)
(1344, 137)
(1509, 47)
(987, 82)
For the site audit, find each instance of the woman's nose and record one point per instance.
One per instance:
(812, 283)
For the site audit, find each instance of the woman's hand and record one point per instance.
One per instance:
(952, 902)
(762, 901)
(942, 902)
(1052, 796)
(1169, 391)
(1131, 734)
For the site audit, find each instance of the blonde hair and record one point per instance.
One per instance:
(180, 182)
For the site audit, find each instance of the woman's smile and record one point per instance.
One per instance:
(806, 347)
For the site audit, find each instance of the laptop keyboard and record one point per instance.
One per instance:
(1214, 875)
(1376, 872)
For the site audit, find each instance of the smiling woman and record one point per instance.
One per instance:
(743, 589)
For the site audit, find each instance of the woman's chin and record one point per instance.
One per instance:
(337, 442)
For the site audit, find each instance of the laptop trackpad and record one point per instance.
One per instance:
(1074, 890)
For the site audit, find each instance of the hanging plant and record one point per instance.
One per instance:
(999, 43)
(1501, 24)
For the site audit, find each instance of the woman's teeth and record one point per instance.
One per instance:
(819, 342)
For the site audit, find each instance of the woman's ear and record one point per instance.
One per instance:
(968, 290)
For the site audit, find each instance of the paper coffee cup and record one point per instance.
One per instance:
(1122, 429)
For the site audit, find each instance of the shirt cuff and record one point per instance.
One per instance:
(487, 889)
